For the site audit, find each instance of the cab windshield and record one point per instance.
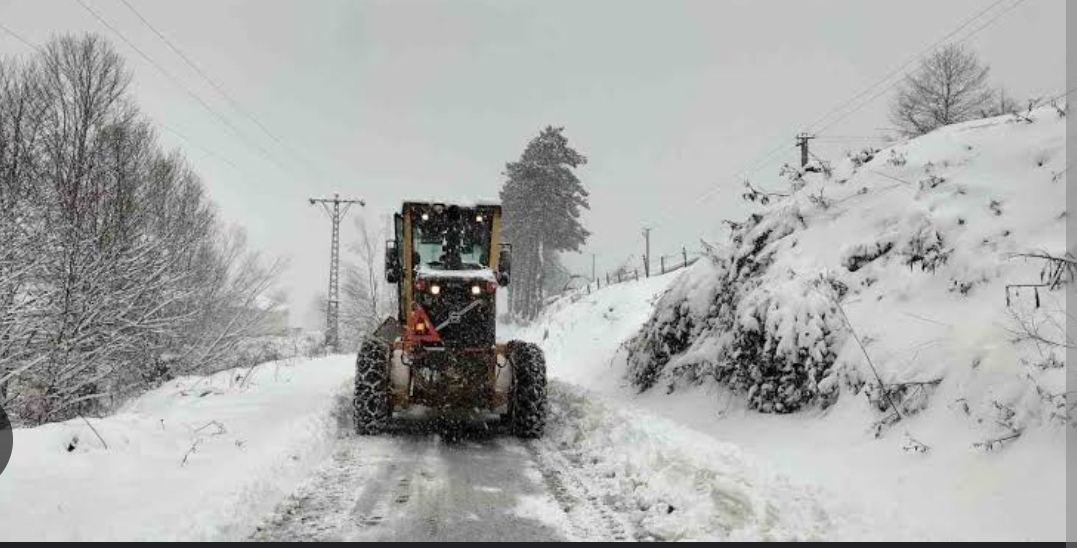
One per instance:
(453, 239)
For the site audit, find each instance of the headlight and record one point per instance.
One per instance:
(435, 289)
(476, 290)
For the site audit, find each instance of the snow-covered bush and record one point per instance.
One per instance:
(915, 239)
(795, 176)
(897, 158)
(680, 317)
(930, 182)
(785, 340)
(923, 246)
(771, 338)
(856, 256)
(864, 156)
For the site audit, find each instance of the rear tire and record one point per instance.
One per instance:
(528, 414)
(371, 403)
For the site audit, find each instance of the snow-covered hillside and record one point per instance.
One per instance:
(910, 250)
(902, 267)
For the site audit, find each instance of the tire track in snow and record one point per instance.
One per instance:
(426, 485)
(588, 512)
(346, 495)
(383, 501)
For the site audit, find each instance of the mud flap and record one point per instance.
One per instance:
(388, 331)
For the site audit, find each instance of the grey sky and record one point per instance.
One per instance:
(388, 100)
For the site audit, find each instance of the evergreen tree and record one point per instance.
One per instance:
(542, 199)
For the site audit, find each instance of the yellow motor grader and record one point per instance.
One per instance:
(440, 352)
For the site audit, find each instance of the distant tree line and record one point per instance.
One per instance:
(116, 274)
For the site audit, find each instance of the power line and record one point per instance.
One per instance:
(163, 126)
(968, 22)
(197, 146)
(847, 137)
(896, 83)
(16, 36)
(749, 169)
(1061, 95)
(902, 67)
(180, 85)
(213, 83)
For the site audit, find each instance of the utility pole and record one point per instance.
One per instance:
(647, 256)
(333, 208)
(802, 142)
(593, 269)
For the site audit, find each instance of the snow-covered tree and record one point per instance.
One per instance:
(115, 272)
(366, 299)
(542, 200)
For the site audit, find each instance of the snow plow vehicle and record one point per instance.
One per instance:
(440, 352)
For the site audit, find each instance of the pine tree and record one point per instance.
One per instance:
(542, 199)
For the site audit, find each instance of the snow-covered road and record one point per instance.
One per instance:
(601, 473)
(431, 481)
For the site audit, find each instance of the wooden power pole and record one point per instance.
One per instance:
(333, 207)
(647, 252)
(802, 142)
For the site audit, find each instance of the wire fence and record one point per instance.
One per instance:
(661, 265)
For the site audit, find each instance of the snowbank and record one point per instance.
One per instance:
(580, 334)
(953, 492)
(197, 459)
(677, 484)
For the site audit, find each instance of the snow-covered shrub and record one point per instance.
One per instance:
(751, 241)
(772, 334)
(909, 397)
(897, 158)
(816, 165)
(785, 340)
(864, 156)
(931, 182)
(795, 176)
(854, 257)
(924, 246)
(771, 339)
(668, 335)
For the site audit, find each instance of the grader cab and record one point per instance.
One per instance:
(441, 352)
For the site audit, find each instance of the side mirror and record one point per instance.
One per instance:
(392, 263)
(504, 267)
